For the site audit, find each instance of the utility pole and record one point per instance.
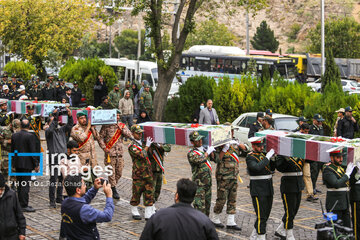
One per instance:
(322, 37)
(247, 34)
(110, 42)
(139, 51)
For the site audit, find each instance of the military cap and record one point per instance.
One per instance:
(195, 136)
(335, 151)
(348, 109)
(61, 80)
(260, 115)
(30, 106)
(256, 140)
(75, 82)
(341, 110)
(302, 119)
(318, 117)
(5, 87)
(13, 75)
(116, 85)
(136, 128)
(269, 112)
(146, 86)
(3, 101)
(82, 113)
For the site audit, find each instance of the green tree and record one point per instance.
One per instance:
(85, 72)
(332, 73)
(91, 48)
(211, 32)
(264, 38)
(127, 43)
(22, 69)
(31, 28)
(342, 36)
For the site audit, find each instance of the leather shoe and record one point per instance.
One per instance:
(136, 217)
(219, 225)
(235, 227)
(312, 199)
(280, 236)
(115, 193)
(52, 205)
(59, 201)
(28, 209)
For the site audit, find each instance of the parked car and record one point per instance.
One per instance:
(281, 122)
(347, 85)
(316, 85)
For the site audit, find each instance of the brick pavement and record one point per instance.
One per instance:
(45, 222)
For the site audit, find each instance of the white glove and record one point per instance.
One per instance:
(270, 154)
(358, 165)
(149, 141)
(226, 147)
(210, 150)
(234, 142)
(9, 113)
(349, 169)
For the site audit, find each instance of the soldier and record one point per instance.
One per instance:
(300, 121)
(12, 89)
(5, 141)
(291, 186)
(48, 92)
(60, 90)
(14, 80)
(267, 123)
(141, 174)
(260, 169)
(227, 171)
(347, 126)
(111, 142)
(336, 180)
(156, 155)
(5, 93)
(146, 101)
(114, 97)
(355, 200)
(256, 126)
(85, 135)
(76, 94)
(199, 160)
(35, 122)
(340, 116)
(35, 92)
(5, 117)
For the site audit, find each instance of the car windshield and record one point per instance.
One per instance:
(354, 84)
(288, 124)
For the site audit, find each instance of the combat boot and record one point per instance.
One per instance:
(290, 234)
(135, 213)
(231, 224)
(148, 212)
(115, 193)
(280, 231)
(216, 221)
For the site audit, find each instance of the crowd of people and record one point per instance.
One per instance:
(74, 183)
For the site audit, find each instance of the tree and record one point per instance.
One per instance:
(127, 43)
(91, 48)
(342, 36)
(22, 69)
(332, 73)
(264, 38)
(31, 28)
(211, 32)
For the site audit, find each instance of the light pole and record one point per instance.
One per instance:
(247, 34)
(322, 37)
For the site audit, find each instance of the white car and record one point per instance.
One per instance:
(347, 85)
(281, 122)
(316, 85)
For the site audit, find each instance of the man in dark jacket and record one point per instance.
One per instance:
(347, 126)
(180, 221)
(100, 90)
(23, 142)
(256, 126)
(76, 94)
(48, 92)
(35, 92)
(12, 220)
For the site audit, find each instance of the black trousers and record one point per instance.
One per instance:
(262, 206)
(291, 203)
(55, 183)
(355, 214)
(315, 168)
(343, 215)
(23, 187)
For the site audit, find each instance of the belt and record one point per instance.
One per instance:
(292, 174)
(343, 189)
(261, 177)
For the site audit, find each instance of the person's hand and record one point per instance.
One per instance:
(22, 237)
(350, 167)
(353, 119)
(270, 154)
(107, 190)
(210, 150)
(234, 142)
(149, 141)
(226, 147)
(68, 111)
(37, 169)
(55, 110)
(218, 123)
(89, 123)
(97, 183)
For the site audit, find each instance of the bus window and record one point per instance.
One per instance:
(191, 64)
(235, 66)
(202, 65)
(228, 66)
(220, 65)
(147, 77)
(213, 65)
(184, 62)
(155, 75)
(120, 73)
(243, 66)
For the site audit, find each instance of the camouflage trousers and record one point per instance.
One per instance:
(4, 169)
(117, 164)
(226, 191)
(157, 183)
(142, 187)
(202, 200)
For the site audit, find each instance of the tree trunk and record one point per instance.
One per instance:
(41, 71)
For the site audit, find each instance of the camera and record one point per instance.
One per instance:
(61, 110)
(104, 180)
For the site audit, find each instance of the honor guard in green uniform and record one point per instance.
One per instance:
(35, 122)
(355, 199)
(156, 155)
(114, 97)
(336, 180)
(5, 117)
(199, 160)
(146, 102)
(256, 126)
(227, 174)
(260, 169)
(141, 174)
(291, 186)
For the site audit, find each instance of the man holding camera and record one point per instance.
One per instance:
(79, 218)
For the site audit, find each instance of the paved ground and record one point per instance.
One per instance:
(45, 222)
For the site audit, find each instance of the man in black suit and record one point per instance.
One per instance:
(23, 142)
(76, 94)
(68, 97)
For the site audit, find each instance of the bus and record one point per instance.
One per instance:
(220, 61)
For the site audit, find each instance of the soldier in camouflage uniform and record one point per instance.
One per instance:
(146, 102)
(85, 135)
(5, 141)
(199, 160)
(227, 171)
(141, 174)
(156, 155)
(111, 142)
(114, 97)
(5, 117)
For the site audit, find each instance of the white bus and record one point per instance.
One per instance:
(126, 71)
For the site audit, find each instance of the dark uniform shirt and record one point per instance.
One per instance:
(316, 130)
(290, 184)
(346, 128)
(255, 127)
